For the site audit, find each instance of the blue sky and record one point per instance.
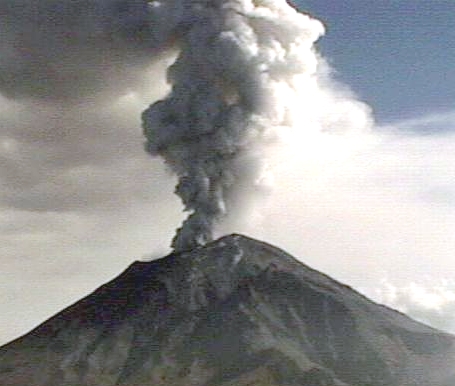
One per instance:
(398, 56)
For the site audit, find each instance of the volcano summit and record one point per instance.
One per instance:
(235, 312)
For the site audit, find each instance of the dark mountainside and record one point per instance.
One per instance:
(235, 312)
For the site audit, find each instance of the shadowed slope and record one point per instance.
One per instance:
(236, 312)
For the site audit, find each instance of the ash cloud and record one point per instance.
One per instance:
(240, 68)
(234, 58)
(73, 77)
(69, 50)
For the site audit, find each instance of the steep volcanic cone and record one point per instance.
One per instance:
(235, 312)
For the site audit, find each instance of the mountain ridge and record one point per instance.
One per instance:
(237, 311)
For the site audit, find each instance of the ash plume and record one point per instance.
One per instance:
(235, 59)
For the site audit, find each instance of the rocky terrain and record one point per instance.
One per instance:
(235, 312)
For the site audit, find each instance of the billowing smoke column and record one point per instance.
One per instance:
(234, 58)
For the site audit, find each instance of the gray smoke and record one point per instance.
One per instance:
(61, 50)
(234, 59)
(231, 82)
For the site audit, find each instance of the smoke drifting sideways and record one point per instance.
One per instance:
(239, 67)
(63, 52)
(245, 72)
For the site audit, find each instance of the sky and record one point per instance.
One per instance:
(369, 199)
(396, 55)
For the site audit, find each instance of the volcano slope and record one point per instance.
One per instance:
(235, 312)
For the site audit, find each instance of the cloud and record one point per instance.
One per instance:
(431, 301)
(365, 206)
(431, 124)
(77, 192)
(64, 50)
(66, 157)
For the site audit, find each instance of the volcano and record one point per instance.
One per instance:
(234, 312)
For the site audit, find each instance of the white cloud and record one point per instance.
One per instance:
(432, 301)
(366, 200)
(441, 122)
